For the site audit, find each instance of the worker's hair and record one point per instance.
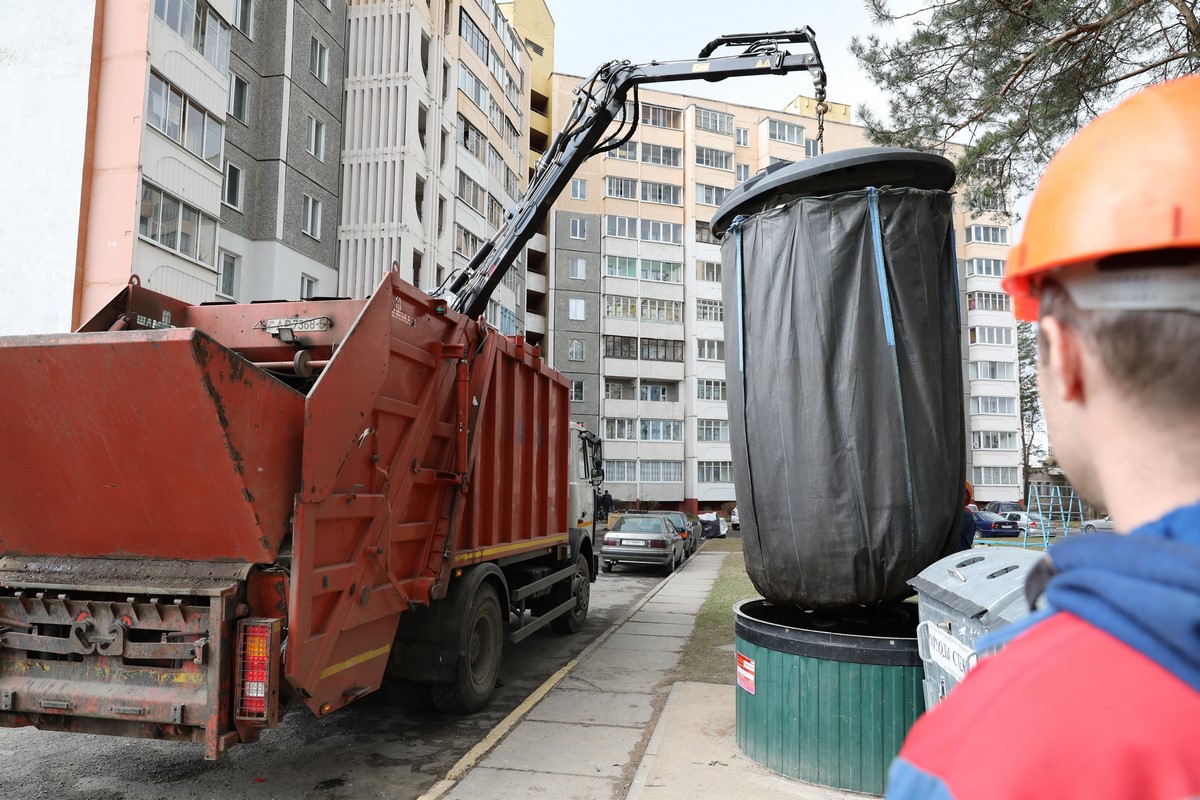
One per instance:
(1151, 356)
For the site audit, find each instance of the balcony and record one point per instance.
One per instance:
(535, 282)
(535, 324)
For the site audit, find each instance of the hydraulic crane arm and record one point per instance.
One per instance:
(601, 101)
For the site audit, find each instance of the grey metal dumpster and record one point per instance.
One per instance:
(959, 599)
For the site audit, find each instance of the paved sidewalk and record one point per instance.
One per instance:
(580, 736)
(579, 739)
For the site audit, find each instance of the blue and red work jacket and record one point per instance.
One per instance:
(1096, 697)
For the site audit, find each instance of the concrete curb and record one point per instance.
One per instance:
(504, 726)
(660, 727)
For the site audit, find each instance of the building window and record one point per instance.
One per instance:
(308, 287)
(743, 137)
(989, 301)
(993, 371)
(661, 350)
(495, 211)
(661, 430)
(662, 271)
(994, 440)
(785, 132)
(708, 271)
(465, 242)
(812, 148)
(709, 310)
(472, 87)
(231, 194)
(990, 335)
(662, 155)
(1003, 406)
(243, 17)
(711, 195)
(714, 472)
(577, 309)
(172, 223)
(576, 391)
(989, 234)
(200, 27)
(471, 192)
(655, 392)
(227, 277)
(239, 97)
(742, 172)
(994, 476)
(662, 193)
(620, 471)
(183, 121)
(473, 35)
(655, 231)
(623, 188)
(715, 121)
(620, 266)
(624, 227)
(614, 390)
(712, 430)
(578, 189)
(318, 60)
(311, 223)
(579, 268)
(717, 159)
(620, 428)
(316, 138)
(626, 152)
(710, 390)
(654, 310)
(578, 228)
(660, 471)
(575, 350)
(620, 307)
(661, 117)
(704, 234)
(987, 267)
(471, 138)
(710, 350)
(620, 347)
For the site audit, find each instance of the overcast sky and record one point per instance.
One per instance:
(587, 34)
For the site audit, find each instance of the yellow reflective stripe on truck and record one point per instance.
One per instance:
(355, 661)
(487, 552)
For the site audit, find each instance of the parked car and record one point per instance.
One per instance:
(691, 536)
(1002, 507)
(1105, 523)
(641, 539)
(989, 524)
(734, 521)
(713, 525)
(1027, 522)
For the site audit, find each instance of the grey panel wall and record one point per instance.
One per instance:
(564, 290)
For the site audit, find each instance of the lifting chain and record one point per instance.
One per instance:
(822, 109)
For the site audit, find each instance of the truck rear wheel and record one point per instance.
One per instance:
(578, 587)
(481, 642)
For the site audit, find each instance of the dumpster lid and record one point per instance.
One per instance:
(979, 583)
(843, 171)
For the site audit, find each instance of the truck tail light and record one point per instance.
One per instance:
(258, 671)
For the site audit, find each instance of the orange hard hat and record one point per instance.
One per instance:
(1127, 183)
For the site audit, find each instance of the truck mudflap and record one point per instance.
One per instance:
(125, 647)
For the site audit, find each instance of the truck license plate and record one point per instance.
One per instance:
(634, 542)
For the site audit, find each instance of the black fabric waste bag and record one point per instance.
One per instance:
(844, 365)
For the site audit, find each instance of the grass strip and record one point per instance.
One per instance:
(708, 655)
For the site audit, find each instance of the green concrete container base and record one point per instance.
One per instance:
(827, 700)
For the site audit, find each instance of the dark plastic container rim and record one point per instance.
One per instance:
(887, 651)
(834, 173)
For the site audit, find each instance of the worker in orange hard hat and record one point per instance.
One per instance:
(1097, 693)
(968, 529)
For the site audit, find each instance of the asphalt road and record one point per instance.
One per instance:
(370, 749)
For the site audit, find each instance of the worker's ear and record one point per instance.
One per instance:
(1061, 360)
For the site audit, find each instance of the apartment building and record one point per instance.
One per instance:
(636, 310)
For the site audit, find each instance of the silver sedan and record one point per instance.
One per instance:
(641, 540)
